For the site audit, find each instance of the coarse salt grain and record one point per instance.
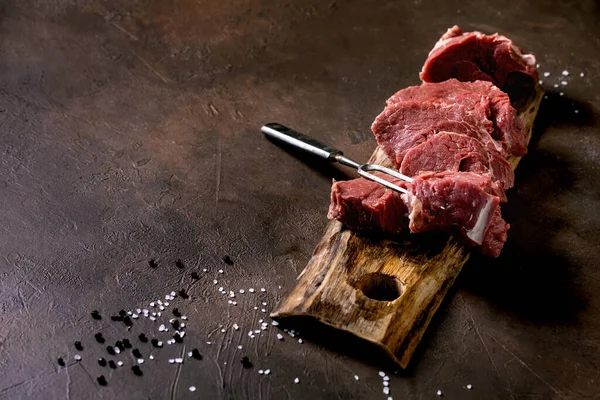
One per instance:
(386, 378)
(209, 343)
(576, 111)
(296, 380)
(274, 323)
(469, 386)
(263, 310)
(267, 371)
(242, 291)
(264, 303)
(234, 303)
(251, 290)
(300, 341)
(159, 314)
(117, 350)
(240, 346)
(381, 374)
(120, 363)
(541, 82)
(179, 360)
(162, 328)
(222, 330)
(159, 302)
(386, 390)
(152, 318)
(262, 289)
(556, 85)
(129, 313)
(256, 308)
(77, 357)
(581, 74)
(159, 343)
(151, 357)
(236, 327)
(221, 289)
(279, 336)
(152, 304)
(215, 282)
(204, 270)
(162, 308)
(260, 371)
(390, 398)
(565, 72)
(166, 303)
(171, 361)
(173, 294)
(134, 316)
(356, 377)
(184, 317)
(386, 383)
(563, 83)
(561, 93)
(192, 388)
(439, 393)
(546, 74)
(257, 331)
(138, 310)
(140, 361)
(220, 271)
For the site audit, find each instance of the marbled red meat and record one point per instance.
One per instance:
(455, 152)
(508, 128)
(471, 56)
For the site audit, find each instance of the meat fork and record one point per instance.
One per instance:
(284, 134)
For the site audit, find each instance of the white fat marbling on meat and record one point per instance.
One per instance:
(477, 233)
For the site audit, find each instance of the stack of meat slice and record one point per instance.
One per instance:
(454, 137)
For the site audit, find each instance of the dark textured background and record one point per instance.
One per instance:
(129, 131)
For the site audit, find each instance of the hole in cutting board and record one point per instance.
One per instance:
(378, 286)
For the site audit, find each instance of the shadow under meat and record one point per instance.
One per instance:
(531, 279)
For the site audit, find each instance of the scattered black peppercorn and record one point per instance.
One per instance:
(119, 344)
(112, 364)
(127, 321)
(177, 337)
(152, 264)
(127, 343)
(196, 354)
(154, 342)
(176, 312)
(96, 314)
(137, 370)
(61, 362)
(116, 318)
(122, 313)
(246, 362)
(184, 294)
(136, 353)
(143, 338)
(78, 345)
(101, 380)
(175, 324)
(195, 276)
(179, 264)
(110, 350)
(227, 260)
(102, 362)
(99, 337)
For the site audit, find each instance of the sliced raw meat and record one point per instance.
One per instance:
(447, 200)
(404, 125)
(462, 202)
(362, 204)
(455, 152)
(471, 56)
(496, 236)
(508, 128)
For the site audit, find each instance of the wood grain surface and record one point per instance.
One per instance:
(384, 291)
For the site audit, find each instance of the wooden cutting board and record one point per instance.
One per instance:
(378, 289)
